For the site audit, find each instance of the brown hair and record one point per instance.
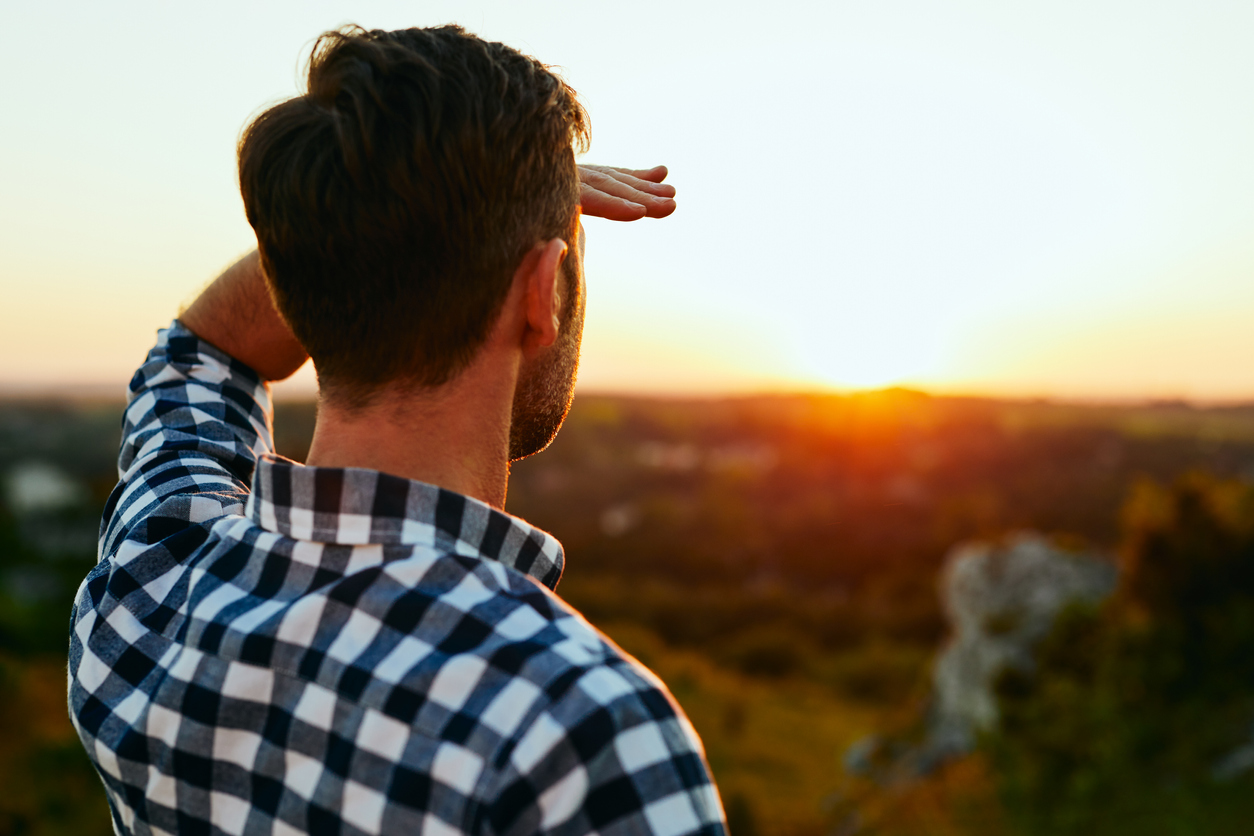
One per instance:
(394, 200)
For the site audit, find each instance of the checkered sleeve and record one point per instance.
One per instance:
(196, 420)
(611, 754)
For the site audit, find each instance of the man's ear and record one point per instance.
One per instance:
(541, 271)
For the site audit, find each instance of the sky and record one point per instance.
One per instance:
(1018, 199)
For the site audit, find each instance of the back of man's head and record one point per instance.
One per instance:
(393, 201)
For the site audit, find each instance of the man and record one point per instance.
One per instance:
(368, 643)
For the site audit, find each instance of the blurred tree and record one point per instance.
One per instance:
(1137, 712)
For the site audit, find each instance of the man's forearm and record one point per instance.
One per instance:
(235, 314)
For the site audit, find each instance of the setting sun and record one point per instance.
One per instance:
(984, 199)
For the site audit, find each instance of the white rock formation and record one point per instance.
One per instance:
(1001, 600)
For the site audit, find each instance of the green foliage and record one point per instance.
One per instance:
(1133, 705)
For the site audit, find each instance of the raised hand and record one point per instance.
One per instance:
(625, 194)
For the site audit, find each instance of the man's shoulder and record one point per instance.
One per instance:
(569, 726)
(420, 633)
(436, 665)
(602, 745)
(479, 656)
(445, 636)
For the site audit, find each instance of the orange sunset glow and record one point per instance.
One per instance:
(1051, 201)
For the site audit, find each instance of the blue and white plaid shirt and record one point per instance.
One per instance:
(342, 651)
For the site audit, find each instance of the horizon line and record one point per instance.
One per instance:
(94, 391)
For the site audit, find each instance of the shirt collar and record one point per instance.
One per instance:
(355, 506)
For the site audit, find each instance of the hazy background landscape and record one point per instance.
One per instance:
(776, 560)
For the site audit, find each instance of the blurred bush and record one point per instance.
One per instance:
(771, 651)
(1139, 715)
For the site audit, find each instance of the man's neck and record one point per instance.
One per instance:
(455, 436)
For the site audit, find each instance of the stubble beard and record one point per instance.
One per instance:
(545, 392)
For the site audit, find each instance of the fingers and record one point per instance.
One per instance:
(648, 181)
(598, 204)
(625, 185)
(654, 175)
(614, 192)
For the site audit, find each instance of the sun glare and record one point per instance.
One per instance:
(865, 345)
